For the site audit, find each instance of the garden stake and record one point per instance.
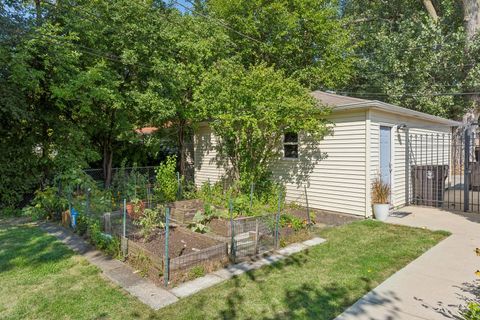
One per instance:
(308, 208)
(232, 227)
(278, 218)
(124, 218)
(167, 259)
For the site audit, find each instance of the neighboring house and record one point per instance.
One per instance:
(368, 140)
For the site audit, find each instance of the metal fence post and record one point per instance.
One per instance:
(466, 172)
(166, 276)
(232, 231)
(124, 217)
(309, 220)
(277, 219)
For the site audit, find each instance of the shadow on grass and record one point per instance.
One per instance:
(23, 245)
(306, 301)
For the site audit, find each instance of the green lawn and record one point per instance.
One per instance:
(42, 279)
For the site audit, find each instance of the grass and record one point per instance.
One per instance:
(41, 279)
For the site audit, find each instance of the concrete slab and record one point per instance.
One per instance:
(291, 249)
(314, 241)
(116, 271)
(437, 284)
(152, 295)
(191, 287)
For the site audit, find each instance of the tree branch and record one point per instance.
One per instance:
(430, 9)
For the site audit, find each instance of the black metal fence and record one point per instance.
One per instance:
(443, 170)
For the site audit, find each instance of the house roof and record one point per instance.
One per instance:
(339, 103)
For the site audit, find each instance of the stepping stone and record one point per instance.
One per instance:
(314, 242)
(151, 295)
(191, 287)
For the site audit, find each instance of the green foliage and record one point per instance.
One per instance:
(150, 221)
(291, 221)
(196, 272)
(105, 242)
(472, 312)
(305, 38)
(250, 110)
(129, 185)
(46, 204)
(199, 222)
(406, 57)
(166, 184)
(264, 200)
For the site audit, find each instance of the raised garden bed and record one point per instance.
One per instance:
(191, 255)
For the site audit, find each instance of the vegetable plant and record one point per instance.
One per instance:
(166, 185)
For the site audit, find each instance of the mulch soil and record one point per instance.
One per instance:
(181, 242)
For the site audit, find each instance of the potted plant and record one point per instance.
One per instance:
(135, 208)
(380, 199)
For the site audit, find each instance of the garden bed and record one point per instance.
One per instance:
(190, 255)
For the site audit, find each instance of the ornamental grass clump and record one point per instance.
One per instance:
(380, 191)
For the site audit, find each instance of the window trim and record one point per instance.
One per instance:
(284, 143)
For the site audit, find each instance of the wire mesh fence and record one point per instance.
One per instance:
(164, 241)
(251, 236)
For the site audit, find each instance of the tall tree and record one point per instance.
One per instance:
(250, 111)
(305, 38)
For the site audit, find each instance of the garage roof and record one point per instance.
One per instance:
(339, 102)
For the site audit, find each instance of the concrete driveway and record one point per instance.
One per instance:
(437, 284)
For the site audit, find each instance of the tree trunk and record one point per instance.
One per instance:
(471, 17)
(107, 164)
(430, 9)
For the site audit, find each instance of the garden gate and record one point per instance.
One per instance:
(443, 169)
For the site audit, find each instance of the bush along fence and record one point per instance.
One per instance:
(168, 230)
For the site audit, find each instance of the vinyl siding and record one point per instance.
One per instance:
(419, 127)
(207, 166)
(335, 182)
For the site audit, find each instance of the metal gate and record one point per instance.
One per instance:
(443, 169)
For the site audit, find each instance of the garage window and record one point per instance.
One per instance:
(290, 145)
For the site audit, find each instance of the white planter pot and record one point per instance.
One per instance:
(380, 211)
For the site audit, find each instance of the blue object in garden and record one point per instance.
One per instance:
(73, 216)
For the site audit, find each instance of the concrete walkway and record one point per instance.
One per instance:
(437, 284)
(144, 289)
(116, 271)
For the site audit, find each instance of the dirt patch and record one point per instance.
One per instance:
(220, 227)
(323, 217)
(180, 242)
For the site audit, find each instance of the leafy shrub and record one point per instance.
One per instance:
(150, 221)
(199, 222)
(291, 221)
(131, 185)
(166, 185)
(46, 203)
(102, 241)
(196, 272)
(264, 201)
(472, 312)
